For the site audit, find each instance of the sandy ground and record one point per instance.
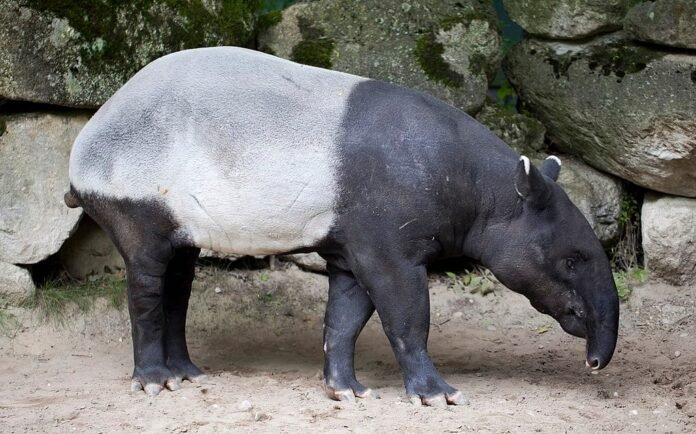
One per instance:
(260, 341)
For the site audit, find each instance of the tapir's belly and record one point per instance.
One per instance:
(276, 204)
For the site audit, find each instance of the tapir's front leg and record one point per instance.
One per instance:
(347, 312)
(399, 291)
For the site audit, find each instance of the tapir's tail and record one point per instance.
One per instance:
(70, 199)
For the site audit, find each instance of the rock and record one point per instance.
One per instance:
(205, 253)
(624, 109)
(597, 196)
(568, 19)
(89, 251)
(34, 154)
(667, 22)
(307, 261)
(524, 133)
(447, 49)
(15, 283)
(669, 238)
(79, 55)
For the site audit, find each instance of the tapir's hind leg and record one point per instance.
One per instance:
(347, 312)
(177, 290)
(142, 232)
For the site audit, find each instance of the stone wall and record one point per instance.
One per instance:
(611, 85)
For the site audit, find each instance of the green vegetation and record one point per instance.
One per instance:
(478, 280)
(506, 97)
(626, 280)
(53, 298)
(627, 253)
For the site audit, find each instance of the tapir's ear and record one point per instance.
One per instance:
(530, 184)
(551, 167)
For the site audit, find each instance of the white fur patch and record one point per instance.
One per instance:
(554, 158)
(240, 145)
(526, 162)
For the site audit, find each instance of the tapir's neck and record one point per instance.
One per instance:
(485, 198)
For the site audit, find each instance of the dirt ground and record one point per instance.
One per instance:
(258, 334)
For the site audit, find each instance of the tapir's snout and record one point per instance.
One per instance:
(602, 330)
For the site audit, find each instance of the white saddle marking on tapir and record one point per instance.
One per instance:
(240, 145)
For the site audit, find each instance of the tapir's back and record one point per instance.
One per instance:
(238, 144)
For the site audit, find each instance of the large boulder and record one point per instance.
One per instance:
(60, 52)
(523, 133)
(89, 251)
(15, 283)
(34, 154)
(669, 238)
(625, 109)
(667, 22)
(597, 195)
(568, 19)
(450, 49)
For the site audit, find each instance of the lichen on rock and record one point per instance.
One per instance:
(625, 109)
(448, 50)
(77, 53)
(568, 19)
(665, 22)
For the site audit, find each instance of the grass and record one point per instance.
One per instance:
(55, 298)
(626, 280)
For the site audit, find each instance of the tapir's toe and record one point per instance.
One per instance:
(153, 389)
(457, 398)
(441, 400)
(349, 394)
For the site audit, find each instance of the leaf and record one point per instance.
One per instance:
(264, 277)
(451, 275)
(543, 329)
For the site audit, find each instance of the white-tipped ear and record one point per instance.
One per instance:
(530, 184)
(551, 167)
(526, 163)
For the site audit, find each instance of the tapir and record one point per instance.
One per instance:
(242, 152)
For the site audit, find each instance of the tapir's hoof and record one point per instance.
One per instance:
(198, 379)
(456, 398)
(350, 394)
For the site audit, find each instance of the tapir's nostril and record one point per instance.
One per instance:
(592, 362)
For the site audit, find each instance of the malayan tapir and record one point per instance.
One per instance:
(242, 152)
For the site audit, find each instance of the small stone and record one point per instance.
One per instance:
(541, 347)
(683, 335)
(218, 290)
(245, 405)
(260, 416)
(677, 354)
(634, 412)
(491, 328)
(457, 315)
(616, 394)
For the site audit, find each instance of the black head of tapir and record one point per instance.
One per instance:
(549, 253)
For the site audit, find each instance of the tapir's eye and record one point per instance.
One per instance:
(570, 264)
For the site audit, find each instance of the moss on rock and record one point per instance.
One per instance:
(78, 52)
(315, 49)
(108, 38)
(429, 56)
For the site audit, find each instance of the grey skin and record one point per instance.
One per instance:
(418, 181)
